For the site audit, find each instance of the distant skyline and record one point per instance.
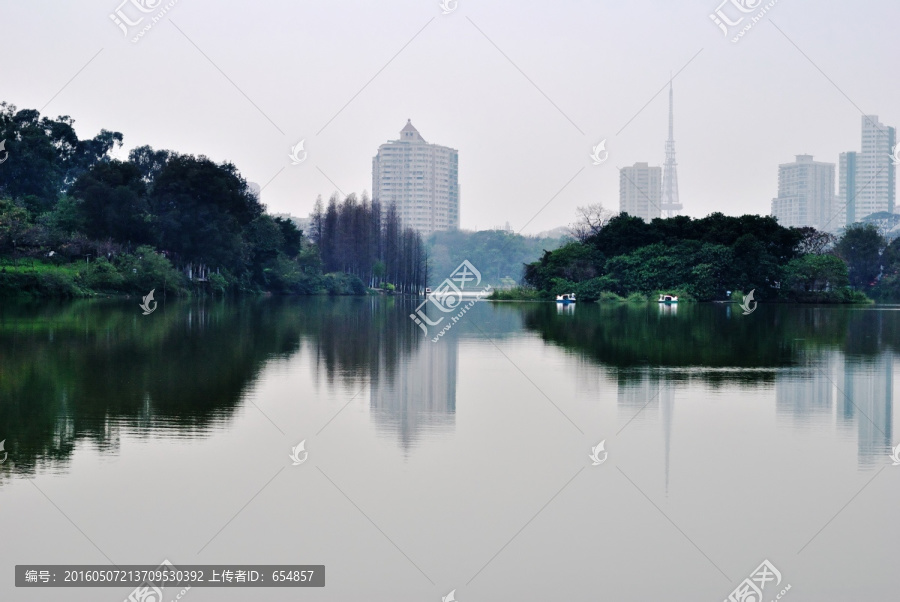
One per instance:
(523, 90)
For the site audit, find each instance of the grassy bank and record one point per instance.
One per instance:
(125, 274)
(139, 273)
(519, 293)
(41, 280)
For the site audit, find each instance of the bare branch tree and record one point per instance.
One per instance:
(590, 220)
(815, 241)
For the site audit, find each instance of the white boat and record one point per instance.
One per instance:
(668, 299)
(566, 299)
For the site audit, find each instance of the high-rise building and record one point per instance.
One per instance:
(640, 191)
(421, 179)
(845, 210)
(671, 204)
(868, 178)
(805, 194)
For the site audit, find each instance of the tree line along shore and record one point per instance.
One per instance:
(75, 222)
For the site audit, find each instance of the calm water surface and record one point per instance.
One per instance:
(462, 464)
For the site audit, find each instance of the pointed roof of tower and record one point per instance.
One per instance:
(409, 133)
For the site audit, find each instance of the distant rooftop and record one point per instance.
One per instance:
(409, 133)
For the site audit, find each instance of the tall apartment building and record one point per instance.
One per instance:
(867, 180)
(421, 179)
(806, 194)
(845, 204)
(640, 191)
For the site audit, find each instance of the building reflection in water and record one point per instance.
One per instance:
(418, 393)
(850, 387)
(646, 393)
(832, 384)
(806, 395)
(865, 393)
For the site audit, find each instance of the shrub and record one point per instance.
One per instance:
(282, 275)
(146, 269)
(610, 296)
(102, 276)
(887, 289)
(561, 286)
(518, 293)
(47, 283)
(590, 290)
(217, 283)
(58, 284)
(343, 284)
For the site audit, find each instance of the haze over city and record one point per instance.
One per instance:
(523, 90)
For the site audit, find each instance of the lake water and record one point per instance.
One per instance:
(462, 464)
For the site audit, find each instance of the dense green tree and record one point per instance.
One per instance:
(66, 219)
(114, 203)
(200, 209)
(712, 274)
(291, 235)
(623, 234)
(265, 241)
(148, 161)
(861, 247)
(574, 261)
(813, 273)
(14, 226)
(45, 156)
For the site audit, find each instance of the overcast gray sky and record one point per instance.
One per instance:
(522, 88)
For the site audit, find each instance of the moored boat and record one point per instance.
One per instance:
(566, 298)
(668, 299)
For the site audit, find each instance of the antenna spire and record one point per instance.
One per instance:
(671, 204)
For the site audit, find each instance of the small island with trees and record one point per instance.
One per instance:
(714, 258)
